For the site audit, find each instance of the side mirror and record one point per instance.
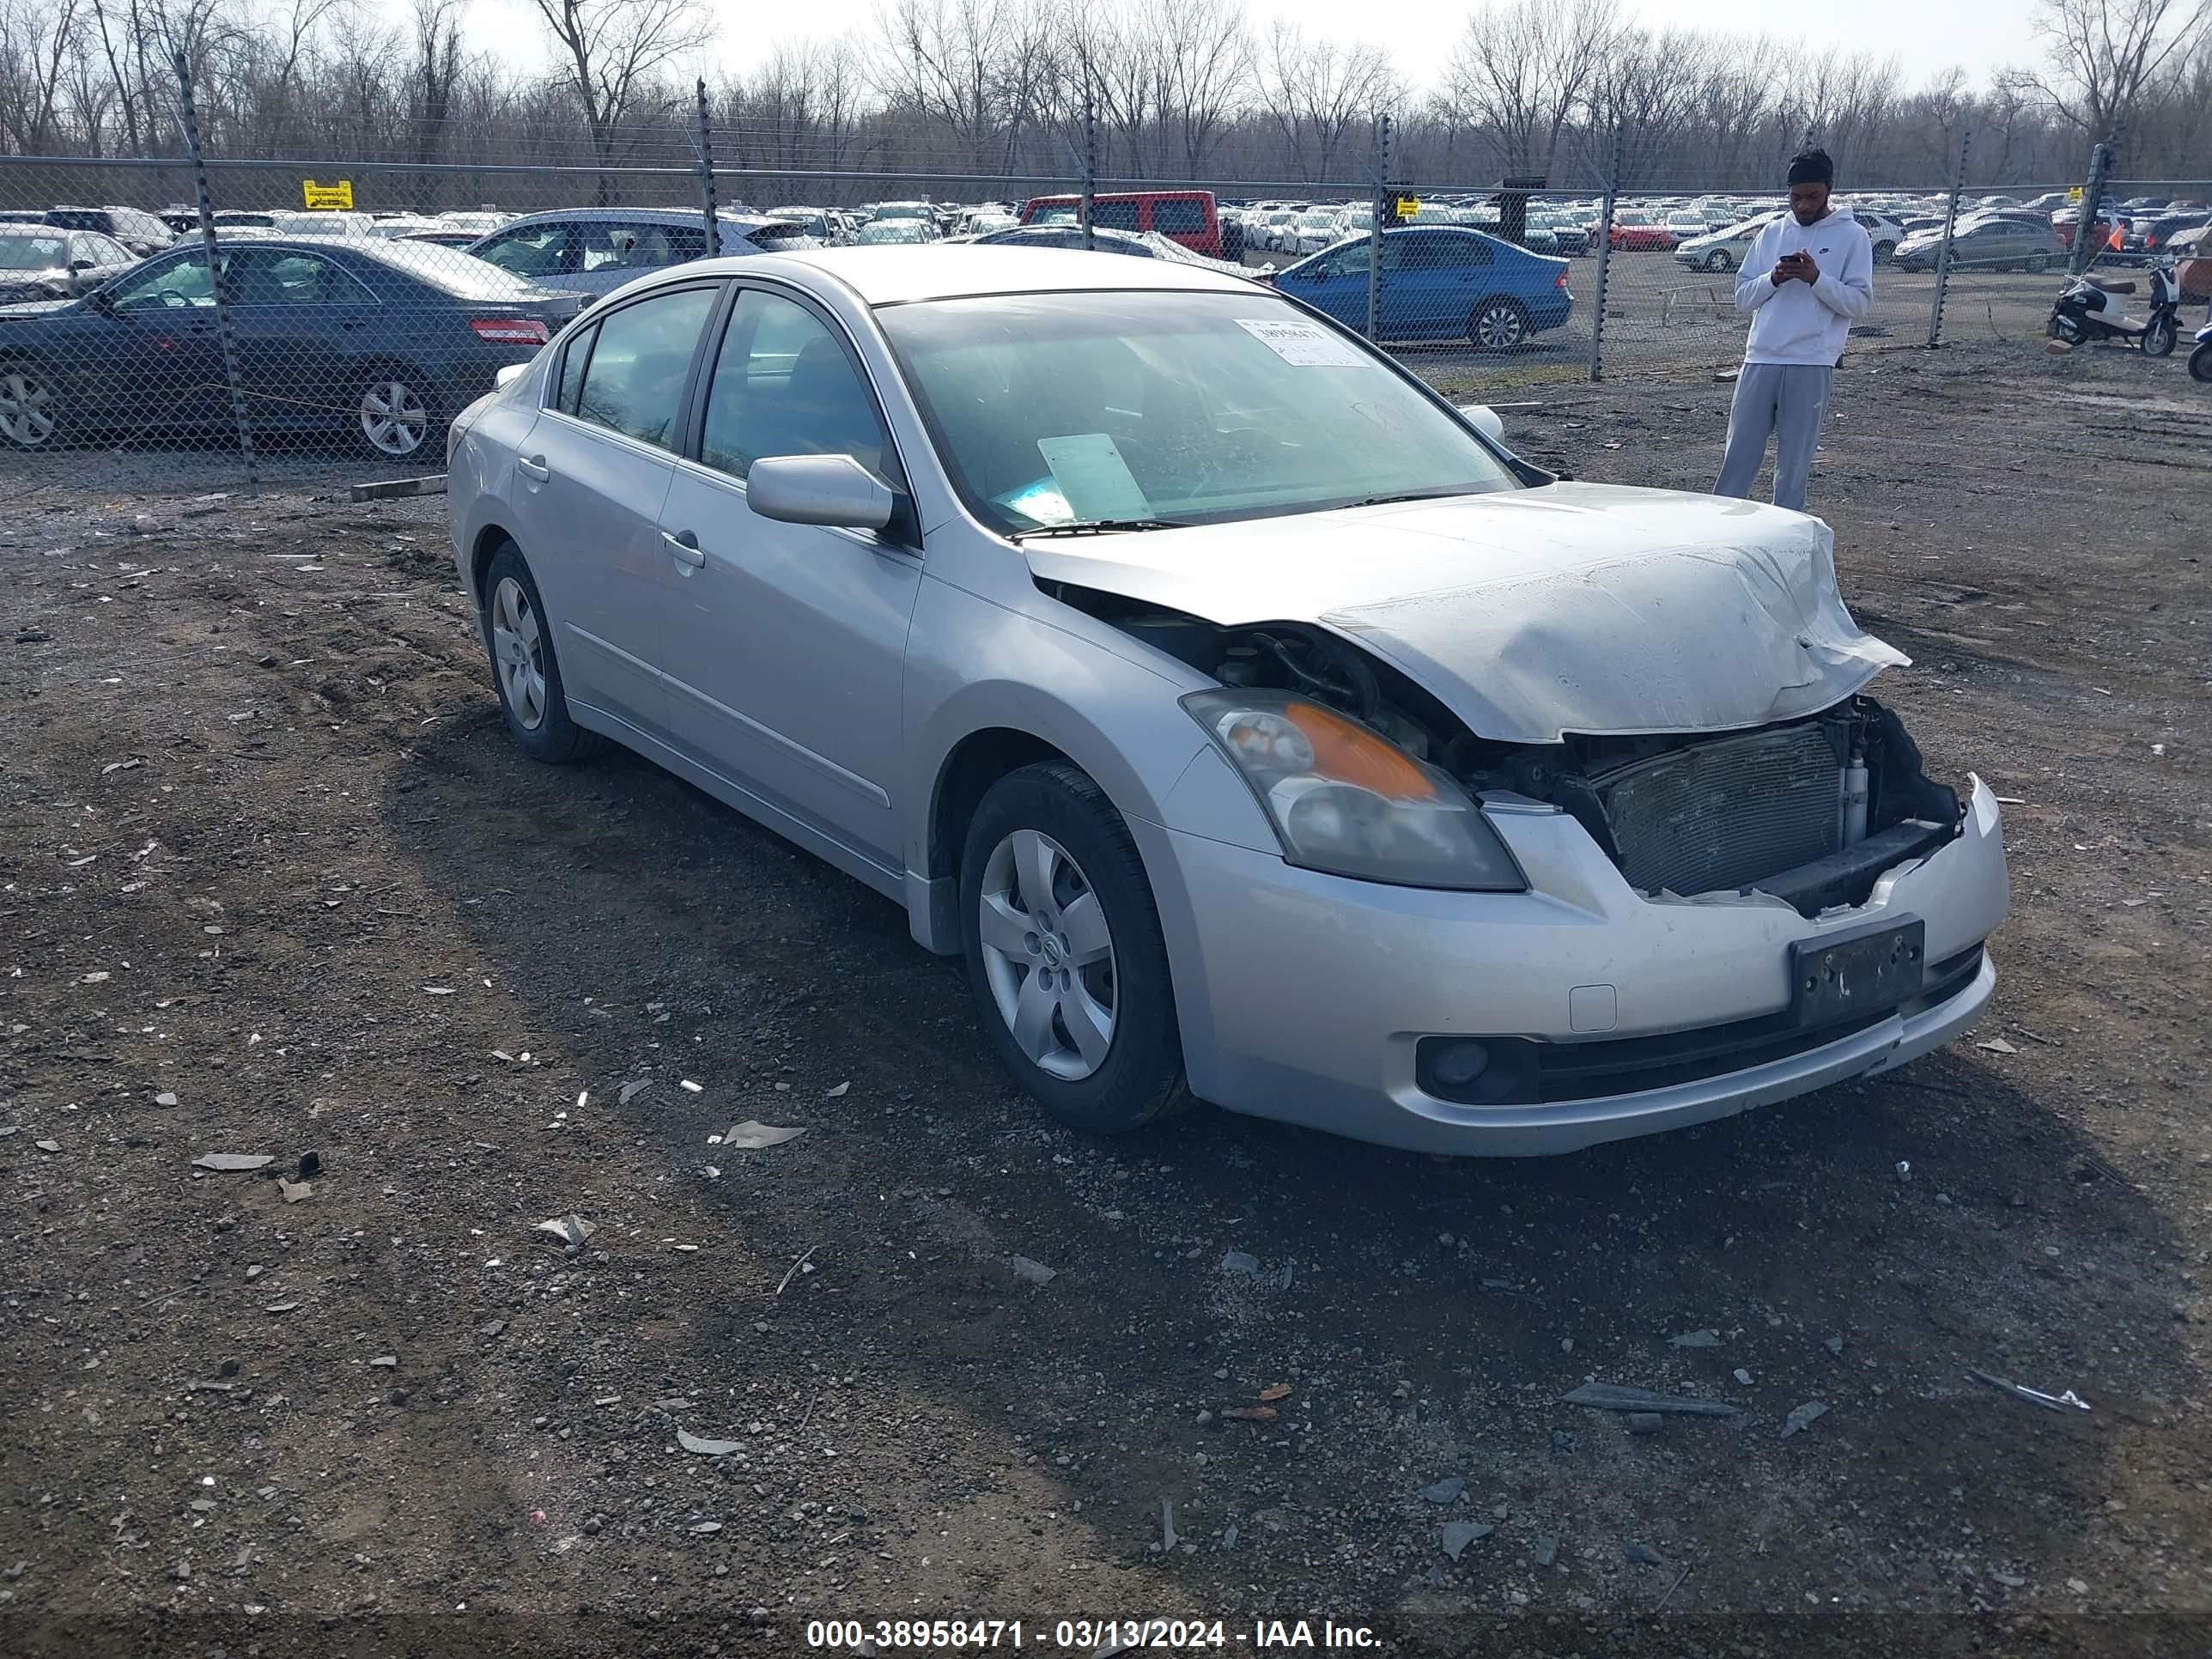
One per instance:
(832, 490)
(82, 264)
(1484, 419)
(506, 374)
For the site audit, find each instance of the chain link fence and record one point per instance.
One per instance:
(239, 314)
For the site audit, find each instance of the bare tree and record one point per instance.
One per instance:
(1319, 94)
(2104, 53)
(611, 50)
(1523, 68)
(38, 41)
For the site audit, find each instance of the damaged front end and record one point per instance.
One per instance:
(1810, 811)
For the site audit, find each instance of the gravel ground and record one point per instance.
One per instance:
(275, 883)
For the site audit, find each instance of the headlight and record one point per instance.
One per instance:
(1347, 801)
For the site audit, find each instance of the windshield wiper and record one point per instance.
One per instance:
(1411, 495)
(1090, 524)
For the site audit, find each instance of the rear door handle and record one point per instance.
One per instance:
(685, 545)
(533, 466)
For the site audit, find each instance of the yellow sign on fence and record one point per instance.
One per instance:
(2075, 195)
(338, 196)
(1408, 207)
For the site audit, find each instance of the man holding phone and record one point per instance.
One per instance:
(1808, 277)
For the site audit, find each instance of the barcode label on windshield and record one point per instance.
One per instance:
(1307, 344)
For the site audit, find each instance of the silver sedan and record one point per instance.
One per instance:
(1260, 729)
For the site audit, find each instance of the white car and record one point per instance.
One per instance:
(1254, 726)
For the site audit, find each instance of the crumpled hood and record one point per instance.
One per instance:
(1532, 613)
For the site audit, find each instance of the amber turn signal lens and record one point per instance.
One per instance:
(1349, 753)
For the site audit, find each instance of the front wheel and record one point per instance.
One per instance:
(1497, 324)
(2200, 363)
(2064, 325)
(524, 667)
(30, 408)
(2038, 263)
(1065, 953)
(1718, 260)
(2158, 340)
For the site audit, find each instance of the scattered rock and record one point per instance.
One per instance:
(704, 1447)
(1544, 1552)
(1697, 1340)
(231, 1163)
(752, 1137)
(1642, 1555)
(836, 1093)
(1446, 1491)
(1564, 1440)
(1238, 1265)
(1612, 1397)
(1802, 1417)
(385, 1361)
(1036, 1272)
(165, 1098)
(310, 1165)
(1834, 1344)
(294, 1192)
(1645, 1422)
(47, 1146)
(1742, 1377)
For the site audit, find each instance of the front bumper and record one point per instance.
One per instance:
(1304, 996)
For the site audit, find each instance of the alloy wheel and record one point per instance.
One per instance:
(1047, 955)
(393, 420)
(519, 651)
(27, 408)
(1499, 326)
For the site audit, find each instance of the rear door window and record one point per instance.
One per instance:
(633, 383)
(1178, 218)
(1114, 215)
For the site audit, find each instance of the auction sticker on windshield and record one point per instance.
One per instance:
(1093, 478)
(1307, 344)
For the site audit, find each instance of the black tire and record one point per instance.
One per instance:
(552, 736)
(1718, 259)
(2064, 325)
(416, 421)
(2200, 363)
(1140, 1079)
(2159, 339)
(34, 407)
(2037, 264)
(1884, 252)
(1499, 323)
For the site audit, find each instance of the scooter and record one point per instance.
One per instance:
(2200, 360)
(2090, 310)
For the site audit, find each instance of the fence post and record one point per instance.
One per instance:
(216, 283)
(1943, 252)
(706, 175)
(1383, 160)
(1604, 258)
(1090, 165)
(2082, 255)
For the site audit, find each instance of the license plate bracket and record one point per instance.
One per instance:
(1853, 975)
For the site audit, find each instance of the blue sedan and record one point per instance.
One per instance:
(1439, 283)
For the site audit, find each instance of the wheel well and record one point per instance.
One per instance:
(977, 762)
(489, 540)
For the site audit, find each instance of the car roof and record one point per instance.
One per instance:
(896, 273)
(743, 216)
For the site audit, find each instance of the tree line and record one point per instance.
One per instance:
(1159, 89)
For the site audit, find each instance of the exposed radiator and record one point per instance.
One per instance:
(1718, 816)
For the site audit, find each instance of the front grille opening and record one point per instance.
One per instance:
(1713, 817)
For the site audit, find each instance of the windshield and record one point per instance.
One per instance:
(1175, 406)
(32, 252)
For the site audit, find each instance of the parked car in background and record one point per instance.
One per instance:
(2150, 236)
(1190, 216)
(596, 250)
(1635, 230)
(1441, 283)
(890, 233)
(1984, 244)
(1138, 246)
(382, 340)
(1568, 233)
(44, 262)
(1317, 227)
(1250, 725)
(1723, 249)
(141, 232)
(823, 226)
(1883, 232)
(1276, 231)
(444, 236)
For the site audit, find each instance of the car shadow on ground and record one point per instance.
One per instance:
(1861, 1248)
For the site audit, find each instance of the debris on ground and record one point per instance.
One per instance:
(1250, 1414)
(1612, 1397)
(629, 1091)
(571, 1230)
(1458, 1534)
(836, 1093)
(803, 1264)
(294, 1192)
(1544, 1552)
(1167, 1538)
(1802, 1417)
(752, 1136)
(2054, 1402)
(47, 1146)
(1238, 1265)
(231, 1163)
(1035, 1271)
(1997, 1046)
(1645, 1422)
(704, 1447)
(1642, 1555)
(1697, 1340)
(1446, 1491)
(1742, 1376)
(1275, 1391)
(1834, 1344)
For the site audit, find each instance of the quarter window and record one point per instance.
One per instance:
(1114, 215)
(575, 354)
(784, 385)
(1178, 218)
(634, 384)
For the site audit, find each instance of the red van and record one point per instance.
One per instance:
(1188, 216)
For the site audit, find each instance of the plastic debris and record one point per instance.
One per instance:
(1997, 1046)
(1169, 1539)
(752, 1136)
(47, 1146)
(1446, 1491)
(1612, 1397)
(1697, 1340)
(691, 1087)
(2051, 1402)
(231, 1163)
(836, 1093)
(1458, 1534)
(629, 1091)
(703, 1446)
(1239, 1264)
(1802, 1417)
(1643, 1555)
(165, 1098)
(568, 1229)
(1544, 1552)
(1035, 1271)
(294, 1192)
(1275, 1391)
(1742, 1377)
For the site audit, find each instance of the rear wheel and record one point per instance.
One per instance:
(2200, 363)
(1065, 954)
(394, 414)
(2159, 339)
(1498, 323)
(524, 666)
(30, 407)
(1718, 259)
(2038, 263)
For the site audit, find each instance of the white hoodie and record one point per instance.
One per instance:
(1794, 322)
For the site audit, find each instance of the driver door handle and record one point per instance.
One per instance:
(533, 466)
(685, 545)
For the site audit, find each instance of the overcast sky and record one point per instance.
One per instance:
(1927, 35)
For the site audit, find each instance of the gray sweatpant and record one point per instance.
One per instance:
(1786, 400)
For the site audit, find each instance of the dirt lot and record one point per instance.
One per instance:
(275, 882)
